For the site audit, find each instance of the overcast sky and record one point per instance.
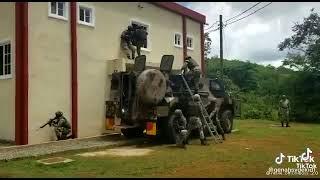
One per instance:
(256, 37)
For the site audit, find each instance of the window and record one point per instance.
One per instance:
(146, 45)
(189, 43)
(178, 40)
(86, 15)
(5, 60)
(58, 10)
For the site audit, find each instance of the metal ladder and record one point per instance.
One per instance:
(205, 116)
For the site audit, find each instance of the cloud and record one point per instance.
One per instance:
(256, 37)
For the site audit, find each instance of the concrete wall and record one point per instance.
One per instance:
(7, 86)
(193, 29)
(49, 70)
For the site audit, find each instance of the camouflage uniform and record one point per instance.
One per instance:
(62, 127)
(284, 110)
(194, 120)
(139, 38)
(126, 44)
(217, 105)
(194, 73)
(179, 125)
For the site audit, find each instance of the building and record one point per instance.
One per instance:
(57, 56)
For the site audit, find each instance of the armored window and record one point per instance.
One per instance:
(58, 10)
(145, 27)
(177, 39)
(189, 42)
(5, 60)
(86, 15)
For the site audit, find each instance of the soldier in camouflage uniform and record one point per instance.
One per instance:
(126, 42)
(180, 128)
(217, 105)
(284, 110)
(193, 75)
(61, 126)
(139, 37)
(194, 121)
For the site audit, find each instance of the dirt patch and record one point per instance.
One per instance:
(123, 151)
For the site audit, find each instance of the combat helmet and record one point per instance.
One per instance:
(196, 97)
(59, 113)
(178, 112)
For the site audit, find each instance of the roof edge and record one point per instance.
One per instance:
(177, 8)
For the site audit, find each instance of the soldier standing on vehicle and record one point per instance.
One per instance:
(195, 121)
(126, 42)
(284, 110)
(180, 128)
(217, 102)
(193, 74)
(139, 37)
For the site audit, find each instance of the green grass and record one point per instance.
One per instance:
(246, 153)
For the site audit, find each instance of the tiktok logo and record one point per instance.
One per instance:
(305, 157)
(279, 159)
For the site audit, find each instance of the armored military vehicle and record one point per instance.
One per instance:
(145, 99)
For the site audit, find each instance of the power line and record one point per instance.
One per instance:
(248, 14)
(212, 25)
(215, 29)
(243, 12)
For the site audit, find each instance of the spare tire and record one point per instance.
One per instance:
(151, 87)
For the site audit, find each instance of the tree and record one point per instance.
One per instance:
(207, 45)
(304, 45)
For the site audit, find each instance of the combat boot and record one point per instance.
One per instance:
(223, 137)
(203, 142)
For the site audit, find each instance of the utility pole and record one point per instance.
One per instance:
(221, 47)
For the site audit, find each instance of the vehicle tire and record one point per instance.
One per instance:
(170, 132)
(227, 121)
(132, 132)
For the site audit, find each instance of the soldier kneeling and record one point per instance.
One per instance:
(179, 126)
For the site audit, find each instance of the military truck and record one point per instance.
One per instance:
(145, 99)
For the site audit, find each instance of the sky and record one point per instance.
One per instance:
(256, 37)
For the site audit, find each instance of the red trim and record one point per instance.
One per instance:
(184, 37)
(202, 49)
(174, 7)
(74, 68)
(21, 78)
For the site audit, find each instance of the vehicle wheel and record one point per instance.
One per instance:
(227, 121)
(170, 132)
(132, 132)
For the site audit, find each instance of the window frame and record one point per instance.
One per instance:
(137, 21)
(192, 42)
(7, 76)
(181, 40)
(93, 17)
(66, 17)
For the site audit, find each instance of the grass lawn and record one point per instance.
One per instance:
(246, 153)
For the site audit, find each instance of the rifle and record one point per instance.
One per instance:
(48, 123)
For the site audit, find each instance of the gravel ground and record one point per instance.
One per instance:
(13, 152)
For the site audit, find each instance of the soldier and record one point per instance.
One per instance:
(139, 37)
(193, 74)
(126, 42)
(284, 110)
(195, 121)
(180, 126)
(217, 102)
(61, 126)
